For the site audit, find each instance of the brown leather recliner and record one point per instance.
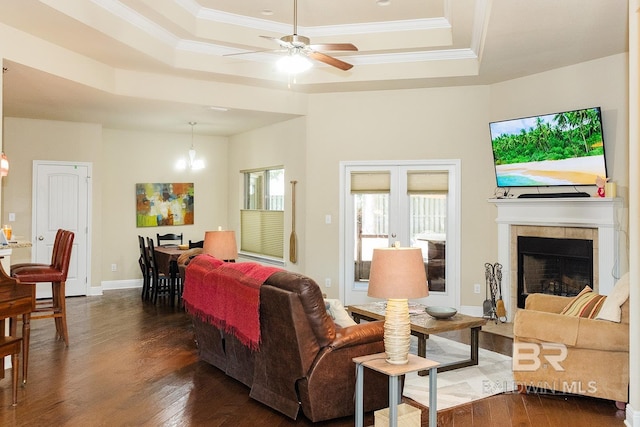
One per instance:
(304, 360)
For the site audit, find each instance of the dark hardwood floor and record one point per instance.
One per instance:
(132, 364)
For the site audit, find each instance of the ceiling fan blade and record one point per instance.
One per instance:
(333, 46)
(253, 51)
(330, 60)
(281, 42)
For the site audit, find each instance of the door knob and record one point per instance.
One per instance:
(40, 237)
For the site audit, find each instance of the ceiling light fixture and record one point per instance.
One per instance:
(192, 163)
(294, 63)
(4, 165)
(217, 108)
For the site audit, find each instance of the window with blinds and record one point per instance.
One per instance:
(262, 216)
(262, 232)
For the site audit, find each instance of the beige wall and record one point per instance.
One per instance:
(633, 409)
(120, 159)
(135, 157)
(602, 82)
(437, 123)
(441, 123)
(282, 144)
(26, 140)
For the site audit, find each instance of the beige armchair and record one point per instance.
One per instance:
(597, 351)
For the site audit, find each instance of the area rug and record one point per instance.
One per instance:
(491, 376)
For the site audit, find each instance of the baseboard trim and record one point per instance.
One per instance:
(471, 310)
(110, 285)
(95, 291)
(477, 311)
(633, 417)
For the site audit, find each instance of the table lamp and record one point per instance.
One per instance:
(397, 274)
(221, 244)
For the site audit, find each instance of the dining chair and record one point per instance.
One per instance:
(145, 268)
(169, 237)
(161, 283)
(198, 244)
(56, 273)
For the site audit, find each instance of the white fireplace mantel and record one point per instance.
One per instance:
(588, 212)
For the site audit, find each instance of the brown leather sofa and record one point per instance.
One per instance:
(304, 361)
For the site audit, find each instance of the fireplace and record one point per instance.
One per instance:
(553, 266)
(587, 218)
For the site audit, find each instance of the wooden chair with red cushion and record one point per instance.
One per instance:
(56, 273)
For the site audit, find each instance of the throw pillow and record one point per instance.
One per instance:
(338, 313)
(586, 304)
(611, 310)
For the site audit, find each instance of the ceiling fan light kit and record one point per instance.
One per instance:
(294, 63)
(299, 49)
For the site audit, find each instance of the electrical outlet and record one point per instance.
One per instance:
(114, 267)
(476, 288)
(327, 282)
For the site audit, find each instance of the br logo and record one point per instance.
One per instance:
(529, 356)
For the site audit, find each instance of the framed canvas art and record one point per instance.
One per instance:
(164, 204)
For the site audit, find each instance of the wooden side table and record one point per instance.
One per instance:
(378, 362)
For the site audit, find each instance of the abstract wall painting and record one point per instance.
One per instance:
(164, 204)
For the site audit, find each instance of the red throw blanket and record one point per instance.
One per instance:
(227, 295)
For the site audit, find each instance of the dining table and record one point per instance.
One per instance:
(165, 255)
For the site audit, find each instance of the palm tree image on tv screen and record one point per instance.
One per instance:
(548, 150)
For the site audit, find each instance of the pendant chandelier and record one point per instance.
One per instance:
(191, 162)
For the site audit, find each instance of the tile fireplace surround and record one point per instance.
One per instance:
(591, 218)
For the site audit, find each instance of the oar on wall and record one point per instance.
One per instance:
(293, 250)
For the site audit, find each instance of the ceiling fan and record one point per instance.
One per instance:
(297, 45)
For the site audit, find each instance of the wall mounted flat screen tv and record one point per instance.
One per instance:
(562, 149)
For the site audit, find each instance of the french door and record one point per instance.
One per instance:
(415, 203)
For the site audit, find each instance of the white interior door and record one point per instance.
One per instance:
(61, 199)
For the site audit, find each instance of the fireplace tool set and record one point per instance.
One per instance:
(494, 308)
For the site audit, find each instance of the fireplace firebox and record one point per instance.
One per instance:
(553, 266)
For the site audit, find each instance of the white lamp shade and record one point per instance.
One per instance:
(398, 273)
